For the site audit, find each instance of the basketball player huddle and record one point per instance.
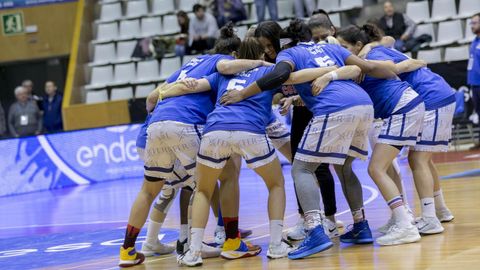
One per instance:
(344, 87)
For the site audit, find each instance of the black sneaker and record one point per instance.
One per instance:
(181, 246)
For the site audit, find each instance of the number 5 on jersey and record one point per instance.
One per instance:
(236, 84)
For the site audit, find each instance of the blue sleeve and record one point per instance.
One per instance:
(221, 57)
(376, 55)
(286, 56)
(344, 53)
(174, 76)
(213, 80)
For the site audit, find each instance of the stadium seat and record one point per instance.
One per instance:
(142, 91)
(160, 7)
(137, 8)
(151, 26)
(408, 54)
(456, 53)
(430, 56)
(350, 4)
(97, 96)
(124, 73)
(125, 50)
(129, 29)
(424, 29)
(418, 11)
(111, 12)
(147, 71)
(104, 53)
(107, 31)
(170, 25)
(285, 9)
(121, 93)
(467, 8)
(169, 66)
(443, 10)
(335, 18)
(187, 58)
(469, 35)
(448, 32)
(328, 5)
(101, 76)
(242, 31)
(187, 5)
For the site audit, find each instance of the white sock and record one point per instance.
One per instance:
(439, 200)
(428, 207)
(152, 231)
(197, 238)
(402, 218)
(183, 232)
(312, 219)
(276, 229)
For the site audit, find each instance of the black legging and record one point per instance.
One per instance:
(300, 119)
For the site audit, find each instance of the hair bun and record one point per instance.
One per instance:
(227, 31)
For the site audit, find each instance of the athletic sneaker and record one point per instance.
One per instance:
(315, 241)
(359, 234)
(245, 233)
(398, 236)
(297, 233)
(237, 249)
(429, 225)
(220, 235)
(279, 251)
(157, 248)
(444, 215)
(210, 252)
(330, 228)
(384, 229)
(182, 246)
(190, 258)
(130, 257)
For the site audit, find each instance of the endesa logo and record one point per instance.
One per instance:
(116, 152)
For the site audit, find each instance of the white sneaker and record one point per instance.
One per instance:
(330, 228)
(210, 252)
(398, 236)
(190, 258)
(429, 225)
(279, 251)
(220, 235)
(385, 228)
(297, 233)
(444, 215)
(157, 248)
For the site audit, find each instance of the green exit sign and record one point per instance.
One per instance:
(12, 24)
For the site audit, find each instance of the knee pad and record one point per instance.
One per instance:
(165, 200)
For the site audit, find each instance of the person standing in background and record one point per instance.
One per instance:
(24, 117)
(473, 68)
(397, 25)
(28, 85)
(52, 106)
(182, 38)
(302, 5)
(203, 30)
(3, 123)
(272, 9)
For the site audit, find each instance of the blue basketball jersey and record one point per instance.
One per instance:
(251, 114)
(191, 108)
(338, 95)
(433, 89)
(385, 93)
(142, 134)
(473, 75)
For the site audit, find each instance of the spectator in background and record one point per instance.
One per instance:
(52, 105)
(182, 38)
(203, 30)
(3, 123)
(473, 78)
(24, 117)
(28, 85)
(397, 25)
(272, 9)
(302, 5)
